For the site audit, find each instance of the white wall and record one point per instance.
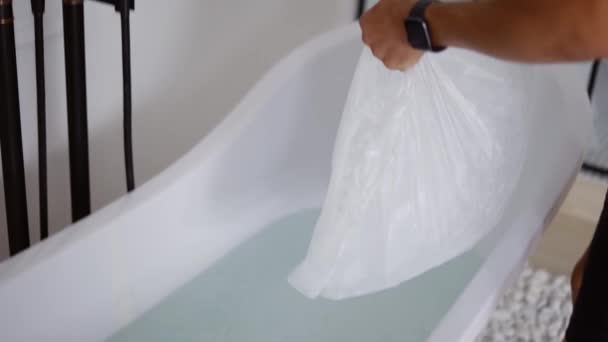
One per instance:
(187, 51)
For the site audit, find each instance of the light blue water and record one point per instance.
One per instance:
(246, 298)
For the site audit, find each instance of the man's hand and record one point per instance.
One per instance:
(519, 30)
(384, 32)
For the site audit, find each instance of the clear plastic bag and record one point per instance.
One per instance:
(425, 163)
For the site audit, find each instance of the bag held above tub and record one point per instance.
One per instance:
(424, 164)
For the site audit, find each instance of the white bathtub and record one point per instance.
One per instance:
(130, 270)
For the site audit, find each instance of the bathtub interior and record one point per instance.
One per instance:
(192, 61)
(245, 297)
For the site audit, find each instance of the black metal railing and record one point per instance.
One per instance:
(10, 135)
(76, 90)
(597, 170)
(76, 96)
(38, 11)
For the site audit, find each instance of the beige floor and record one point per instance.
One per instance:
(572, 228)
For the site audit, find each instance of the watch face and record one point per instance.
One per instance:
(417, 34)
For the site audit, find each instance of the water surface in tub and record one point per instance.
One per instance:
(246, 298)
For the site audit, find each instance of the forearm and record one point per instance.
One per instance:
(524, 30)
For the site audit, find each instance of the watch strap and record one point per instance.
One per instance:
(417, 17)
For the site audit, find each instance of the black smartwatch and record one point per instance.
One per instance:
(418, 30)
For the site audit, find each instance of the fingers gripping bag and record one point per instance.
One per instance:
(424, 164)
